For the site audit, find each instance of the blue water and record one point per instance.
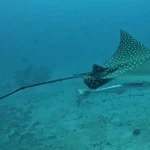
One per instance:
(43, 40)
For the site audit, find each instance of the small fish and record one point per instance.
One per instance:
(118, 88)
(125, 64)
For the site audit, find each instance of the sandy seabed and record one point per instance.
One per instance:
(55, 117)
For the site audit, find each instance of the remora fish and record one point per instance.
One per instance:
(131, 62)
(118, 88)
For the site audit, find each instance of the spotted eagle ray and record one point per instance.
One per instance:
(129, 62)
(131, 59)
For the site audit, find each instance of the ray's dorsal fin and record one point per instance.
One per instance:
(94, 82)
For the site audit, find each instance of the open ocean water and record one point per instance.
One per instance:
(41, 40)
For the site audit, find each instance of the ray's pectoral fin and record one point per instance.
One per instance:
(94, 82)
